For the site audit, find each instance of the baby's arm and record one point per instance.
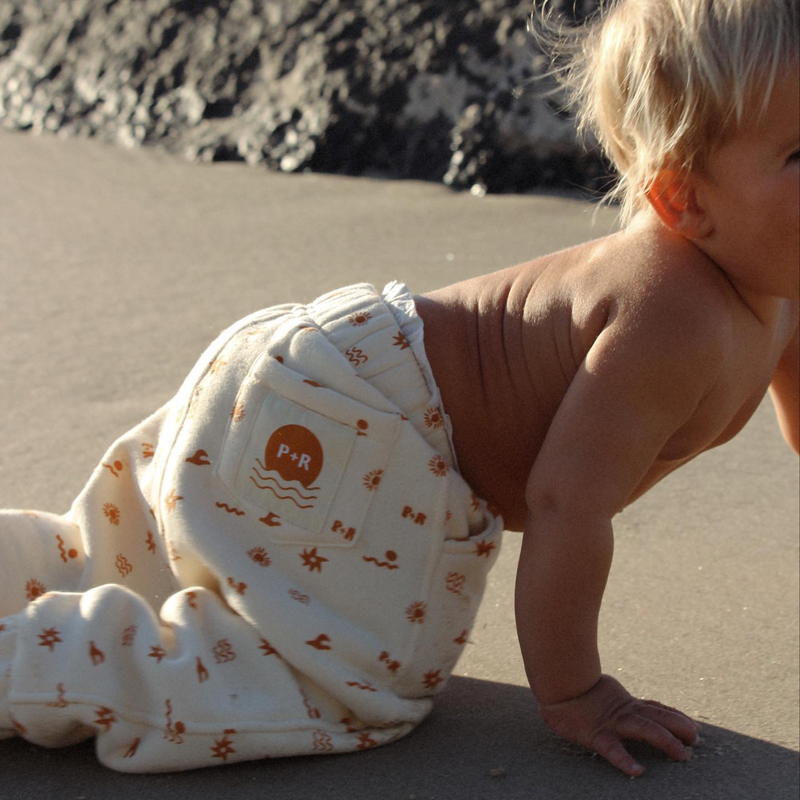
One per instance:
(642, 380)
(785, 392)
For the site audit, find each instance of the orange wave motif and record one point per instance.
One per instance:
(391, 556)
(322, 742)
(230, 509)
(285, 496)
(356, 356)
(61, 548)
(289, 488)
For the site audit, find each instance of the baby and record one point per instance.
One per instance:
(287, 557)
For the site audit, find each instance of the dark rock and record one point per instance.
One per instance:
(427, 90)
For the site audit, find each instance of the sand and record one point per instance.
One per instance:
(117, 267)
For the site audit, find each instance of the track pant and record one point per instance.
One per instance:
(282, 560)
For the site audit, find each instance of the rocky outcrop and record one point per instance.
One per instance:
(430, 90)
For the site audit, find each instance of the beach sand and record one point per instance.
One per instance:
(118, 267)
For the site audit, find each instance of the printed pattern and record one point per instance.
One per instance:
(34, 589)
(64, 553)
(112, 513)
(311, 560)
(289, 610)
(390, 557)
(260, 556)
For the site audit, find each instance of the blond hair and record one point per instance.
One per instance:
(662, 83)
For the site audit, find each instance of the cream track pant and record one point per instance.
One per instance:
(283, 560)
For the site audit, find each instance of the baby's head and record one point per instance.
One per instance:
(662, 83)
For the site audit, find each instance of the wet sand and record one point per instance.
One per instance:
(117, 268)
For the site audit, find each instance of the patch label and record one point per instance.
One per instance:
(293, 462)
(293, 455)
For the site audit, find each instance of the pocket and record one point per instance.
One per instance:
(304, 457)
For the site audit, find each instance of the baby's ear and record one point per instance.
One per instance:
(673, 196)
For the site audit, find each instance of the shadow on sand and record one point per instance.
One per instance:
(484, 740)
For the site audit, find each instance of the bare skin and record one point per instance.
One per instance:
(575, 383)
(506, 348)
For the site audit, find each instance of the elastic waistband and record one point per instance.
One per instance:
(357, 320)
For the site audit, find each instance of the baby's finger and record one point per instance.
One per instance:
(642, 729)
(612, 750)
(676, 722)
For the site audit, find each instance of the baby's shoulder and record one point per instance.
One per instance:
(666, 283)
(651, 286)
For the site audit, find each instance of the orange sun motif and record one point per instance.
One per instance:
(312, 560)
(483, 548)
(433, 417)
(34, 589)
(373, 478)
(112, 513)
(438, 466)
(357, 320)
(416, 612)
(455, 582)
(259, 555)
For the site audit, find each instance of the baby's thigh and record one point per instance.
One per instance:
(39, 553)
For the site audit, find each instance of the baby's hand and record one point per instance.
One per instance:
(607, 714)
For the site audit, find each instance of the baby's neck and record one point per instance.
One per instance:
(766, 308)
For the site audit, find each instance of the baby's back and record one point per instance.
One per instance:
(505, 348)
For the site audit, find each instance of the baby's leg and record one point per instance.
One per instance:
(45, 555)
(218, 619)
(180, 643)
(194, 687)
(39, 553)
(108, 536)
